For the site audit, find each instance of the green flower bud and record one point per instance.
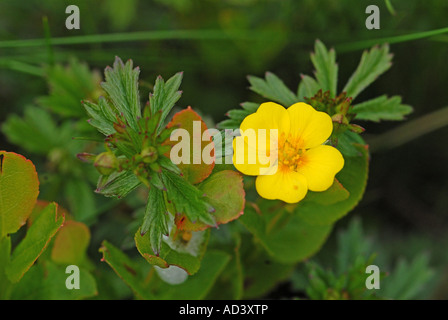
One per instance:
(106, 163)
(149, 154)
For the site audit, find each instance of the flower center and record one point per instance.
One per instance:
(290, 152)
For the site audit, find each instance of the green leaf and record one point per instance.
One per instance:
(187, 199)
(326, 68)
(118, 184)
(230, 284)
(354, 178)
(334, 194)
(121, 86)
(36, 240)
(70, 244)
(37, 132)
(19, 187)
(382, 108)
(46, 281)
(407, 279)
(197, 286)
(165, 95)
(348, 143)
(5, 252)
(103, 116)
(129, 271)
(308, 87)
(80, 198)
(261, 273)
(351, 244)
(196, 170)
(155, 221)
(373, 63)
(186, 256)
(224, 191)
(287, 237)
(68, 86)
(273, 88)
(237, 115)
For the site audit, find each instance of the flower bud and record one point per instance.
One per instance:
(149, 154)
(106, 163)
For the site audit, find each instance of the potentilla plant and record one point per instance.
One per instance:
(310, 163)
(181, 199)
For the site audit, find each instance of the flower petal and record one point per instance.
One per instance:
(319, 166)
(250, 160)
(311, 126)
(269, 115)
(285, 185)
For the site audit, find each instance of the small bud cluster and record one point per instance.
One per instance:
(340, 110)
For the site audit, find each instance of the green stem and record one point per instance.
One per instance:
(364, 44)
(134, 36)
(410, 131)
(47, 35)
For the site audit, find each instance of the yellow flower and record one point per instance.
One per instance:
(293, 143)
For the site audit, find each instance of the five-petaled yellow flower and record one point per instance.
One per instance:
(299, 160)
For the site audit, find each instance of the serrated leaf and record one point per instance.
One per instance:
(165, 95)
(237, 115)
(326, 68)
(373, 63)
(129, 271)
(196, 170)
(351, 245)
(308, 87)
(183, 257)
(229, 124)
(36, 131)
(70, 244)
(382, 108)
(118, 184)
(36, 240)
(273, 88)
(68, 86)
(187, 199)
(19, 187)
(102, 115)
(121, 86)
(155, 221)
(407, 279)
(224, 191)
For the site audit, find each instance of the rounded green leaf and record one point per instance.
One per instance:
(196, 170)
(19, 188)
(71, 243)
(224, 191)
(286, 236)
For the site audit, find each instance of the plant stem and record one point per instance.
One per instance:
(410, 131)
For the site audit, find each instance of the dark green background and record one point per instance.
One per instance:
(406, 202)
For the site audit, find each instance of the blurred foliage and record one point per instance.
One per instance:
(405, 205)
